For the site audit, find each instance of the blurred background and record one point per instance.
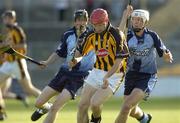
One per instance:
(45, 20)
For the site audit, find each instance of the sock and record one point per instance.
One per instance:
(47, 106)
(144, 118)
(141, 117)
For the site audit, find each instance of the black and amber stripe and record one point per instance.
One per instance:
(17, 37)
(22, 71)
(109, 44)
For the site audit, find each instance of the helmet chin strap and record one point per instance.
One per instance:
(137, 29)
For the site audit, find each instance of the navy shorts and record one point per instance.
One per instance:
(64, 81)
(143, 81)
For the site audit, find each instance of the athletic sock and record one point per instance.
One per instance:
(47, 106)
(144, 118)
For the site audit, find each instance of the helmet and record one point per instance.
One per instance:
(81, 13)
(99, 16)
(144, 14)
(9, 13)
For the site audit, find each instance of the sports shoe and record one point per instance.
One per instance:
(149, 118)
(3, 115)
(38, 114)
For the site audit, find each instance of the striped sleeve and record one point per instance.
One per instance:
(86, 46)
(121, 46)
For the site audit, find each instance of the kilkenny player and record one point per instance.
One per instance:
(15, 67)
(110, 48)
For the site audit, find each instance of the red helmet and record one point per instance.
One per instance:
(99, 16)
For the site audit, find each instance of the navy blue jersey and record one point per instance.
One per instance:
(143, 51)
(67, 45)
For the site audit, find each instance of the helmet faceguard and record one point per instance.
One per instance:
(144, 14)
(99, 16)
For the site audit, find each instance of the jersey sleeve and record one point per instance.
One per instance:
(122, 48)
(158, 44)
(61, 50)
(86, 46)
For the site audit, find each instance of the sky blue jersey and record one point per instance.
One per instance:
(143, 51)
(67, 45)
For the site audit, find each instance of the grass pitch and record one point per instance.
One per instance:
(163, 111)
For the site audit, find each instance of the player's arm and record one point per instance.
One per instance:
(126, 14)
(161, 48)
(20, 37)
(60, 52)
(84, 47)
(51, 59)
(121, 52)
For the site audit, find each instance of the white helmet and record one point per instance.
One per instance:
(144, 14)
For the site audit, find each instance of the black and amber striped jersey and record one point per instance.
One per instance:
(17, 38)
(108, 46)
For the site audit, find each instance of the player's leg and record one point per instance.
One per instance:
(42, 102)
(28, 87)
(2, 107)
(87, 93)
(54, 87)
(129, 102)
(147, 87)
(60, 101)
(4, 75)
(100, 96)
(7, 94)
(138, 113)
(5, 71)
(25, 79)
(136, 91)
(5, 89)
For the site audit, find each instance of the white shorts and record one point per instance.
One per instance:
(95, 79)
(16, 69)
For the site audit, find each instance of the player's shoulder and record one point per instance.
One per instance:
(114, 30)
(90, 32)
(152, 33)
(117, 34)
(69, 31)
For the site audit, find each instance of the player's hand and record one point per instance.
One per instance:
(128, 11)
(72, 63)
(168, 56)
(43, 65)
(105, 83)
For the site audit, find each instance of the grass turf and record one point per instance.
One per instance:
(163, 111)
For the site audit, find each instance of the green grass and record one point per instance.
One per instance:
(163, 111)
